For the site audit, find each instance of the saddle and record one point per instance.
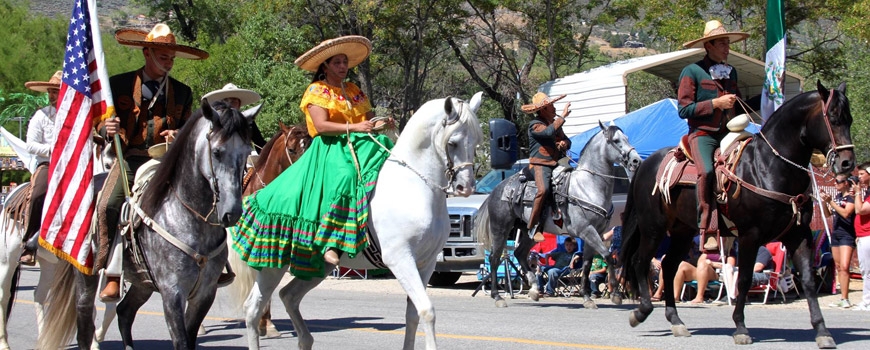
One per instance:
(521, 189)
(677, 168)
(130, 221)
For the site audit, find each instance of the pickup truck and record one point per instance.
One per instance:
(463, 252)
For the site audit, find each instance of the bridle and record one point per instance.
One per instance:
(215, 189)
(624, 155)
(286, 154)
(831, 154)
(450, 169)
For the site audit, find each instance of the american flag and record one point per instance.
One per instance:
(85, 100)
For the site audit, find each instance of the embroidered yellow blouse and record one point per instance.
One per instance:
(331, 98)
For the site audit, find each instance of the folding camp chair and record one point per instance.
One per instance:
(507, 273)
(777, 250)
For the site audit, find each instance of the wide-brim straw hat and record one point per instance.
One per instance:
(160, 37)
(356, 48)
(43, 86)
(714, 30)
(539, 101)
(232, 91)
(157, 151)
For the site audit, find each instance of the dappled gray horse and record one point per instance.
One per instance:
(195, 193)
(583, 196)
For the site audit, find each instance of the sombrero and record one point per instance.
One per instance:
(356, 48)
(539, 101)
(232, 91)
(160, 37)
(714, 30)
(43, 86)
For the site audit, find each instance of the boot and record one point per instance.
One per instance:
(331, 256)
(708, 221)
(112, 291)
(27, 258)
(225, 279)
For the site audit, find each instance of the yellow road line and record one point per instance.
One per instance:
(419, 334)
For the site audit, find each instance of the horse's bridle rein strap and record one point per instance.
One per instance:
(834, 148)
(201, 259)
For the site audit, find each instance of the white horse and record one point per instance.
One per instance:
(408, 216)
(12, 221)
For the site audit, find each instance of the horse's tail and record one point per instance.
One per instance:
(245, 276)
(481, 225)
(60, 316)
(630, 239)
(12, 289)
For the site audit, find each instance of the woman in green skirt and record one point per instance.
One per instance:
(318, 208)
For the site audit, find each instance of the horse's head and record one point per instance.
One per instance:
(620, 150)
(459, 139)
(831, 131)
(222, 150)
(296, 141)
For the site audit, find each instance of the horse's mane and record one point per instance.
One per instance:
(612, 129)
(802, 104)
(231, 122)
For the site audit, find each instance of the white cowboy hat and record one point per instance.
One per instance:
(356, 48)
(43, 86)
(714, 30)
(232, 91)
(159, 37)
(539, 101)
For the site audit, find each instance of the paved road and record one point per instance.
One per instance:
(369, 314)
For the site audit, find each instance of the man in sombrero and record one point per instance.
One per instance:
(547, 144)
(151, 106)
(706, 95)
(40, 140)
(237, 97)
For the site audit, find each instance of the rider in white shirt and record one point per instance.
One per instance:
(41, 136)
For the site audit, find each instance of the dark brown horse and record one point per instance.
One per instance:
(769, 202)
(282, 150)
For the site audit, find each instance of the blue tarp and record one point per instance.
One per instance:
(648, 129)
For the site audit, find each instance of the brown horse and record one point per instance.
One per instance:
(273, 160)
(266, 168)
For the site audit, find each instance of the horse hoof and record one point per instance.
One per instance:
(680, 331)
(616, 299)
(500, 303)
(535, 296)
(742, 339)
(269, 331)
(633, 319)
(589, 304)
(826, 342)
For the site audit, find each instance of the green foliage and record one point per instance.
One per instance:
(33, 45)
(259, 57)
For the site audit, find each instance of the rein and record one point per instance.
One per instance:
(201, 259)
(286, 153)
(625, 156)
(450, 170)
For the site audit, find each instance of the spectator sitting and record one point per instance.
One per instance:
(761, 270)
(565, 259)
(597, 274)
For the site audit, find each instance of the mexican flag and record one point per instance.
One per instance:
(774, 67)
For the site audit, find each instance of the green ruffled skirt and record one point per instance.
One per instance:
(320, 202)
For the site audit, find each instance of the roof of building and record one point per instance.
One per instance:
(600, 93)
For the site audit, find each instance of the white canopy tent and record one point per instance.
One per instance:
(600, 93)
